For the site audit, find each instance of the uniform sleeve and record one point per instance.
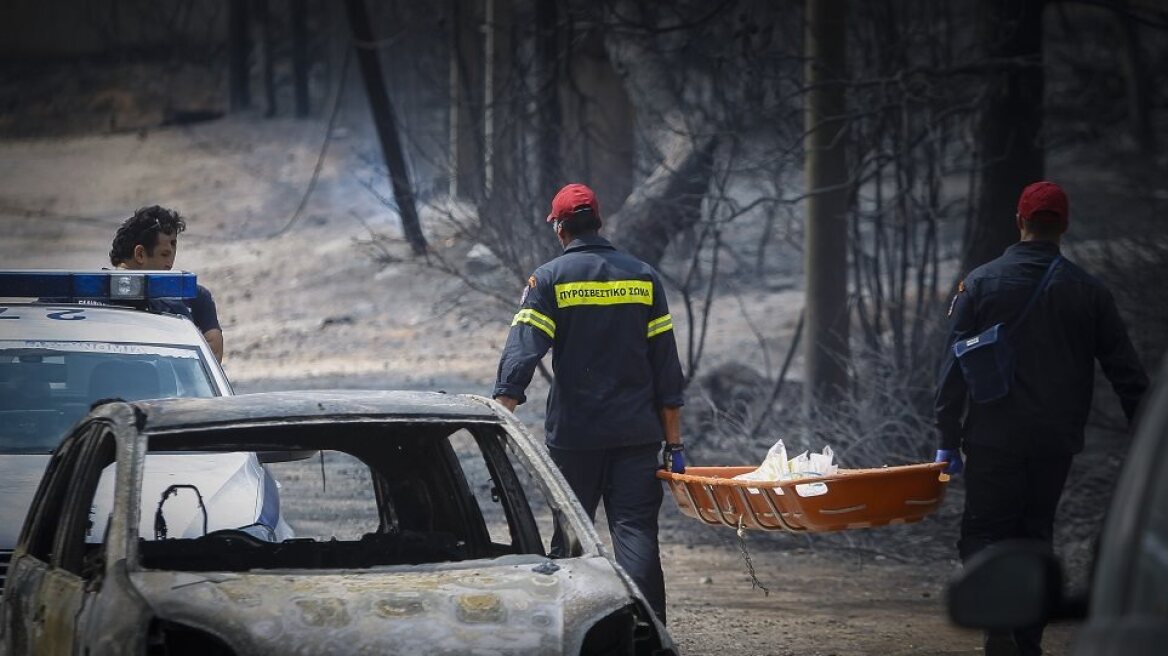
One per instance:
(668, 381)
(952, 393)
(203, 311)
(1117, 357)
(533, 332)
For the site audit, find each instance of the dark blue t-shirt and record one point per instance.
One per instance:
(203, 312)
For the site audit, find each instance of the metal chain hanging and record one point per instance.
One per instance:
(754, 582)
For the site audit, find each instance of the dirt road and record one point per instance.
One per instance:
(819, 603)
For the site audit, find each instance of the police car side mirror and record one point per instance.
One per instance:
(284, 456)
(1010, 585)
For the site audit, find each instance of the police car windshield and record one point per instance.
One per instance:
(45, 387)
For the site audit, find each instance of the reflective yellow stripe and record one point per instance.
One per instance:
(536, 319)
(614, 292)
(660, 325)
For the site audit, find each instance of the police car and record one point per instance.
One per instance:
(74, 338)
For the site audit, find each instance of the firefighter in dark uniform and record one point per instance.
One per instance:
(1018, 449)
(618, 385)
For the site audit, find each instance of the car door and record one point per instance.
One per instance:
(28, 577)
(72, 582)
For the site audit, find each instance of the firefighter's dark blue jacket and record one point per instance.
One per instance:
(604, 315)
(1073, 323)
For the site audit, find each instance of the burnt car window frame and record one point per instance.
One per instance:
(38, 536)
(416, 475)
(449, 484)
(70, 547)
(525, 535)
(417, 460)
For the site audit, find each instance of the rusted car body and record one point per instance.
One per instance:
(441, 566)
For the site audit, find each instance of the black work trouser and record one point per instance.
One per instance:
(1010, 494)
(625, 478)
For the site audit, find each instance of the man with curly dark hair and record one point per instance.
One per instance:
(149, 240)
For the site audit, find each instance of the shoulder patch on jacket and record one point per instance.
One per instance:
(952, 303)
(530, 286)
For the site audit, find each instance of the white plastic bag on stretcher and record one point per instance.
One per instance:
(776, 467)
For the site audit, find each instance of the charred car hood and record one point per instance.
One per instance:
(504, 605)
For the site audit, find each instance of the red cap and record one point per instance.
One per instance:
(1043, 197)
(571, 198)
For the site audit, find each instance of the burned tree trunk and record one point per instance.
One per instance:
(239, 45)
(466, 103)
(550, 115)
(1137, 82)
(385, 120)
(1010, 126)
(300, 56)
(825, 241)
(668, 201)
(268, 50)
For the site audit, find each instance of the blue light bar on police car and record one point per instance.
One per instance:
(112, 285)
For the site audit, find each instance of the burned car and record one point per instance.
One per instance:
(423, 526)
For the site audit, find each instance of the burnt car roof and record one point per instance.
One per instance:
(166, 415)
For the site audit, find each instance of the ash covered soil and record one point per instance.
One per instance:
(304, 305)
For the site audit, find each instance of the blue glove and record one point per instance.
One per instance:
(673, 458)
(953, 457)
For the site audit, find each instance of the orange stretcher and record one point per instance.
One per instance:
(854, 498)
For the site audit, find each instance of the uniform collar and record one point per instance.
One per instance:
(588, 242)
(1036, 246)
